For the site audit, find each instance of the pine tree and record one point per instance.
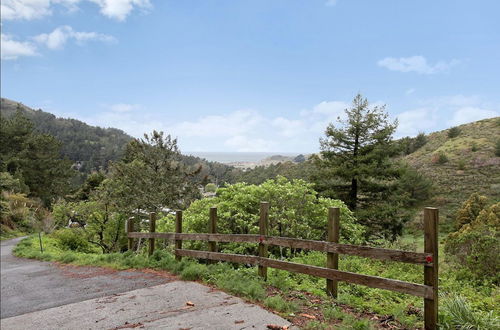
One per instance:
(356, 151)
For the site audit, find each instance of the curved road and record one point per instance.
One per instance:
(44, 295)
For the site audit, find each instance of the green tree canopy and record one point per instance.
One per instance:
(152, 176)
(355, 153)
(34, 159)
(295, 211)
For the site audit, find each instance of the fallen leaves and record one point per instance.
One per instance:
(277, 327)
(312, 317)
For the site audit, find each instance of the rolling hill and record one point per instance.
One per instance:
(461, 165)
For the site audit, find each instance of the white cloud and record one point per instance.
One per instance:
(234, 123)
(410, 91)
(58, 38)
(331, 3)
(12, 49)
(415, 121)
(120, 9)
(416, 64)
(288, 127)
(36, 9)
(468, 114)
(123, 107)
(247, 144)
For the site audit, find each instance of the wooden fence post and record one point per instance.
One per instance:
(431, 219)
(263, 230)
(152, 229)
(178, 229)
(130, 228)
(332, 259)
(212, 246)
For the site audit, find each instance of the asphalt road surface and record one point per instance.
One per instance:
(44, 295)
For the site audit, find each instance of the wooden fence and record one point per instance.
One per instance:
(429, 258)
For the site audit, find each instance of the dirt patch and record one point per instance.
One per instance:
(84, 272)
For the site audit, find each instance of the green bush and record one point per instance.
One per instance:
(295, 211)
(454, 132)
(476, 246)
(470, 209)
(72, 239)
(193, 272)
(497, 148)
(210, 187)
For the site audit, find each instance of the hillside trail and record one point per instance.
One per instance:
(46, 295)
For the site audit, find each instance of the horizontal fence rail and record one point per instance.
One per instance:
(428, 290)
(367, 280)
(296, 243)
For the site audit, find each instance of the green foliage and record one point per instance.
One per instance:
(357, 152)
(475, 247)
(497, 148)
(72, 239)
(103, 225)
(409, 145)
(193, 272)
(34, 159)
(461, 164)
(454, 132)
(458, 314)
(470, 209)
(440, 158)
(295, 211)
(210, 187)
(152, 176)
(279, 304)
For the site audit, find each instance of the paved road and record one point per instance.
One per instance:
(42, 295)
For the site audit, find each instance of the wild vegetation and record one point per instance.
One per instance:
(379, 185)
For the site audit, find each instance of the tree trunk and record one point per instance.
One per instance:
(353, 194)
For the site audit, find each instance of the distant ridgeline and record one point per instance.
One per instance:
(92, 147)
(88, 146)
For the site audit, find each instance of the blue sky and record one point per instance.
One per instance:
(251, 75)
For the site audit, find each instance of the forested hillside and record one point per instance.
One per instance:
(91, 146)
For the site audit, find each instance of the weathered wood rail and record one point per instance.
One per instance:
(429, 258)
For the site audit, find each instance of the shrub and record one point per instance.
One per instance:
(454, 132)
(72, 239)
(474, 147)
(439, 158)
(193, 272)
(497, 148)
(476, 246)
(210, 187)
(458, 314)
(470, 209)
(461, 164)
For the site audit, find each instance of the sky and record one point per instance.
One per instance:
(252, 75)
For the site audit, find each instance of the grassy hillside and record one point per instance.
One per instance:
(461, 165)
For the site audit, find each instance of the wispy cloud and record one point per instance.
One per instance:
(12, 49)
(331, 3)
(58, 38)
(120, 9)
(36, 9)
(416, 64)
(443, 112)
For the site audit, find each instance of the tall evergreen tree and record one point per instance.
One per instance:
(355, 154)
